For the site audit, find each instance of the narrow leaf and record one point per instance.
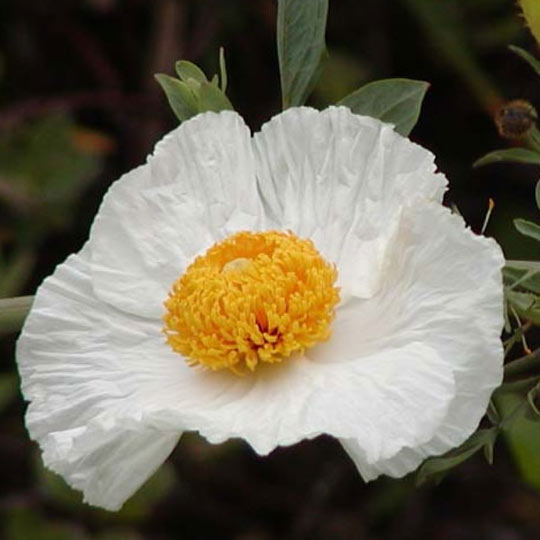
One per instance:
(397, 101)
(528, 57)
(187, 70)
(301, 27)
(524, 279)
(527, 228)
(211, 98)
(179, 95)
(516, 155)
(223, 69)
(537, 194)
(527, 305)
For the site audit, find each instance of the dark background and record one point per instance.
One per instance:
(79, 106)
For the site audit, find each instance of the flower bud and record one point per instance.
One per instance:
(515, 119)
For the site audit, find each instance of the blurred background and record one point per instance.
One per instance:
(79, 106)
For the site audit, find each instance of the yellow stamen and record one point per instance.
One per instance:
(250, 299)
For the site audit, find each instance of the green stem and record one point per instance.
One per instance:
(523, 365)
(13, 312)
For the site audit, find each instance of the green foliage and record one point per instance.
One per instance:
(54, 171)
(523, 274)
(341, 72)
(301, 28)
(397, 101)
(527, 305)
(529, 58)
(523, 437)
(527, 228)
(193, 93)
(434, 469)
(516, 155)
(25, 524)
(187, 70)
(180, 97)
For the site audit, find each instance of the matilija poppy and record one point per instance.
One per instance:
(303, 281)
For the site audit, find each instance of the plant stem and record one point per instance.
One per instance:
(13, 311)
(523, 365)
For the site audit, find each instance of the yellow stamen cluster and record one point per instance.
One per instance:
(252, 298)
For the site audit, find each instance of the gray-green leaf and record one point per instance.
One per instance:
(516, 155)
(528, 228)
(525, 277)
(435, 468)
(537, 194)
(179, 95)
(527, 305)
(211, 98)
(187, 70)
(397, 101)
(301, 26)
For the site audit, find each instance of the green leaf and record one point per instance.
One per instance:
(527, 228)
(515, 155)
(301, 47)
(179, 95)
(529, 58)
(523, 438)
(397, 101)
(537, 194)
(523, 274)
(527, 305)
(532, 400)
(211, 98)
(435, 468)
(187, 70)
(525, 279)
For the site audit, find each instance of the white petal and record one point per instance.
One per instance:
(108, 466)
(340, 179)
(84, 407)
(386, 401)
(99, 378)
(443, 287)
(198, 187)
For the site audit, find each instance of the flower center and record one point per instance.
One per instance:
(250, 299)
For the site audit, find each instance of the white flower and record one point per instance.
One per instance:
(412, 356)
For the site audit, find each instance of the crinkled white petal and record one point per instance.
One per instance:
(197, 188)
(340, 179)
(415, 350)
(84, 411)
(107, 465)
(442, 286)
(96, 377)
